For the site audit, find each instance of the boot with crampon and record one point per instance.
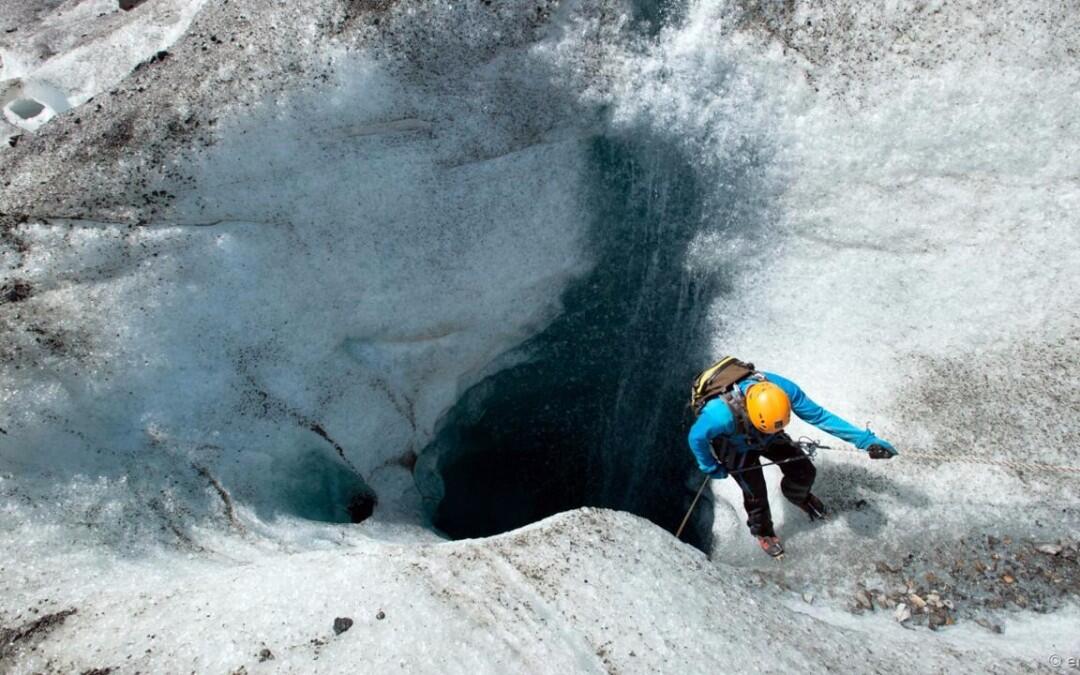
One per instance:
(771, 545)
(813, 508)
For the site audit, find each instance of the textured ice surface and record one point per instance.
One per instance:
(76, 50)
(587, 591)
(244, 283)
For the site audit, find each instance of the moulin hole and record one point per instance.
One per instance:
(26, 108)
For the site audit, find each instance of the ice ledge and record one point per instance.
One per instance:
(583, 591)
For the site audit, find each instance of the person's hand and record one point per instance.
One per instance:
(718, 473)
(880, 449)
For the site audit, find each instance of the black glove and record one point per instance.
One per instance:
(881, 451)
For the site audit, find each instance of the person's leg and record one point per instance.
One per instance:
(755, 494)
(798, 475)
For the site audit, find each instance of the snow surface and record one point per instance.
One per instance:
(338, 219)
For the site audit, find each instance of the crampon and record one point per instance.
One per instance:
(814, 508)
(772, 546)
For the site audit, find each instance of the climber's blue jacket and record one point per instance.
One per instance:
(717, 420)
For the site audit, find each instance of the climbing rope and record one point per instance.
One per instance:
(686, 518)
(969, 458)
(810, 447)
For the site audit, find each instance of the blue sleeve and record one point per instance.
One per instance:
(811, 412)
(715, 420)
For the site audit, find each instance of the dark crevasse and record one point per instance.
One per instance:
(597, 414)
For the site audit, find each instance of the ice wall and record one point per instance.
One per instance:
(910, 265)
(303, 297)
(878, 210)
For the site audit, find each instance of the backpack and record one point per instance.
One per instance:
(717, 380)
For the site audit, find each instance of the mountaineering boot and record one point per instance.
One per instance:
(813, 508)
(771, 545)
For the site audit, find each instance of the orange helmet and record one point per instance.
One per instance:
(768, 407)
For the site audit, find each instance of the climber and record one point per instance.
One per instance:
(741, 415)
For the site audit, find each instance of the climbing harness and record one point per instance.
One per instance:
(807, 445)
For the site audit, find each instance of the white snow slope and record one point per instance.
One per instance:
(252, 253)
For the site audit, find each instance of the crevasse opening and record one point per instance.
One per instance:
(595, 414)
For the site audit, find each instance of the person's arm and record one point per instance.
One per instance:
(715, 420)
(811, 412)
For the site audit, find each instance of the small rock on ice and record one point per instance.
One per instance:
(342, 624)
(863, 599)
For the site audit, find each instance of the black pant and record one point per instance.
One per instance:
(798, 478)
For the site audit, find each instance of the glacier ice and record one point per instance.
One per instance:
(258, 262)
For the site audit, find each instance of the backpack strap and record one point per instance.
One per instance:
(736, 402)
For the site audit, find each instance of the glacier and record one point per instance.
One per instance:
(386, 310)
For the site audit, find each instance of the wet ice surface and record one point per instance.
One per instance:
(246, 286)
